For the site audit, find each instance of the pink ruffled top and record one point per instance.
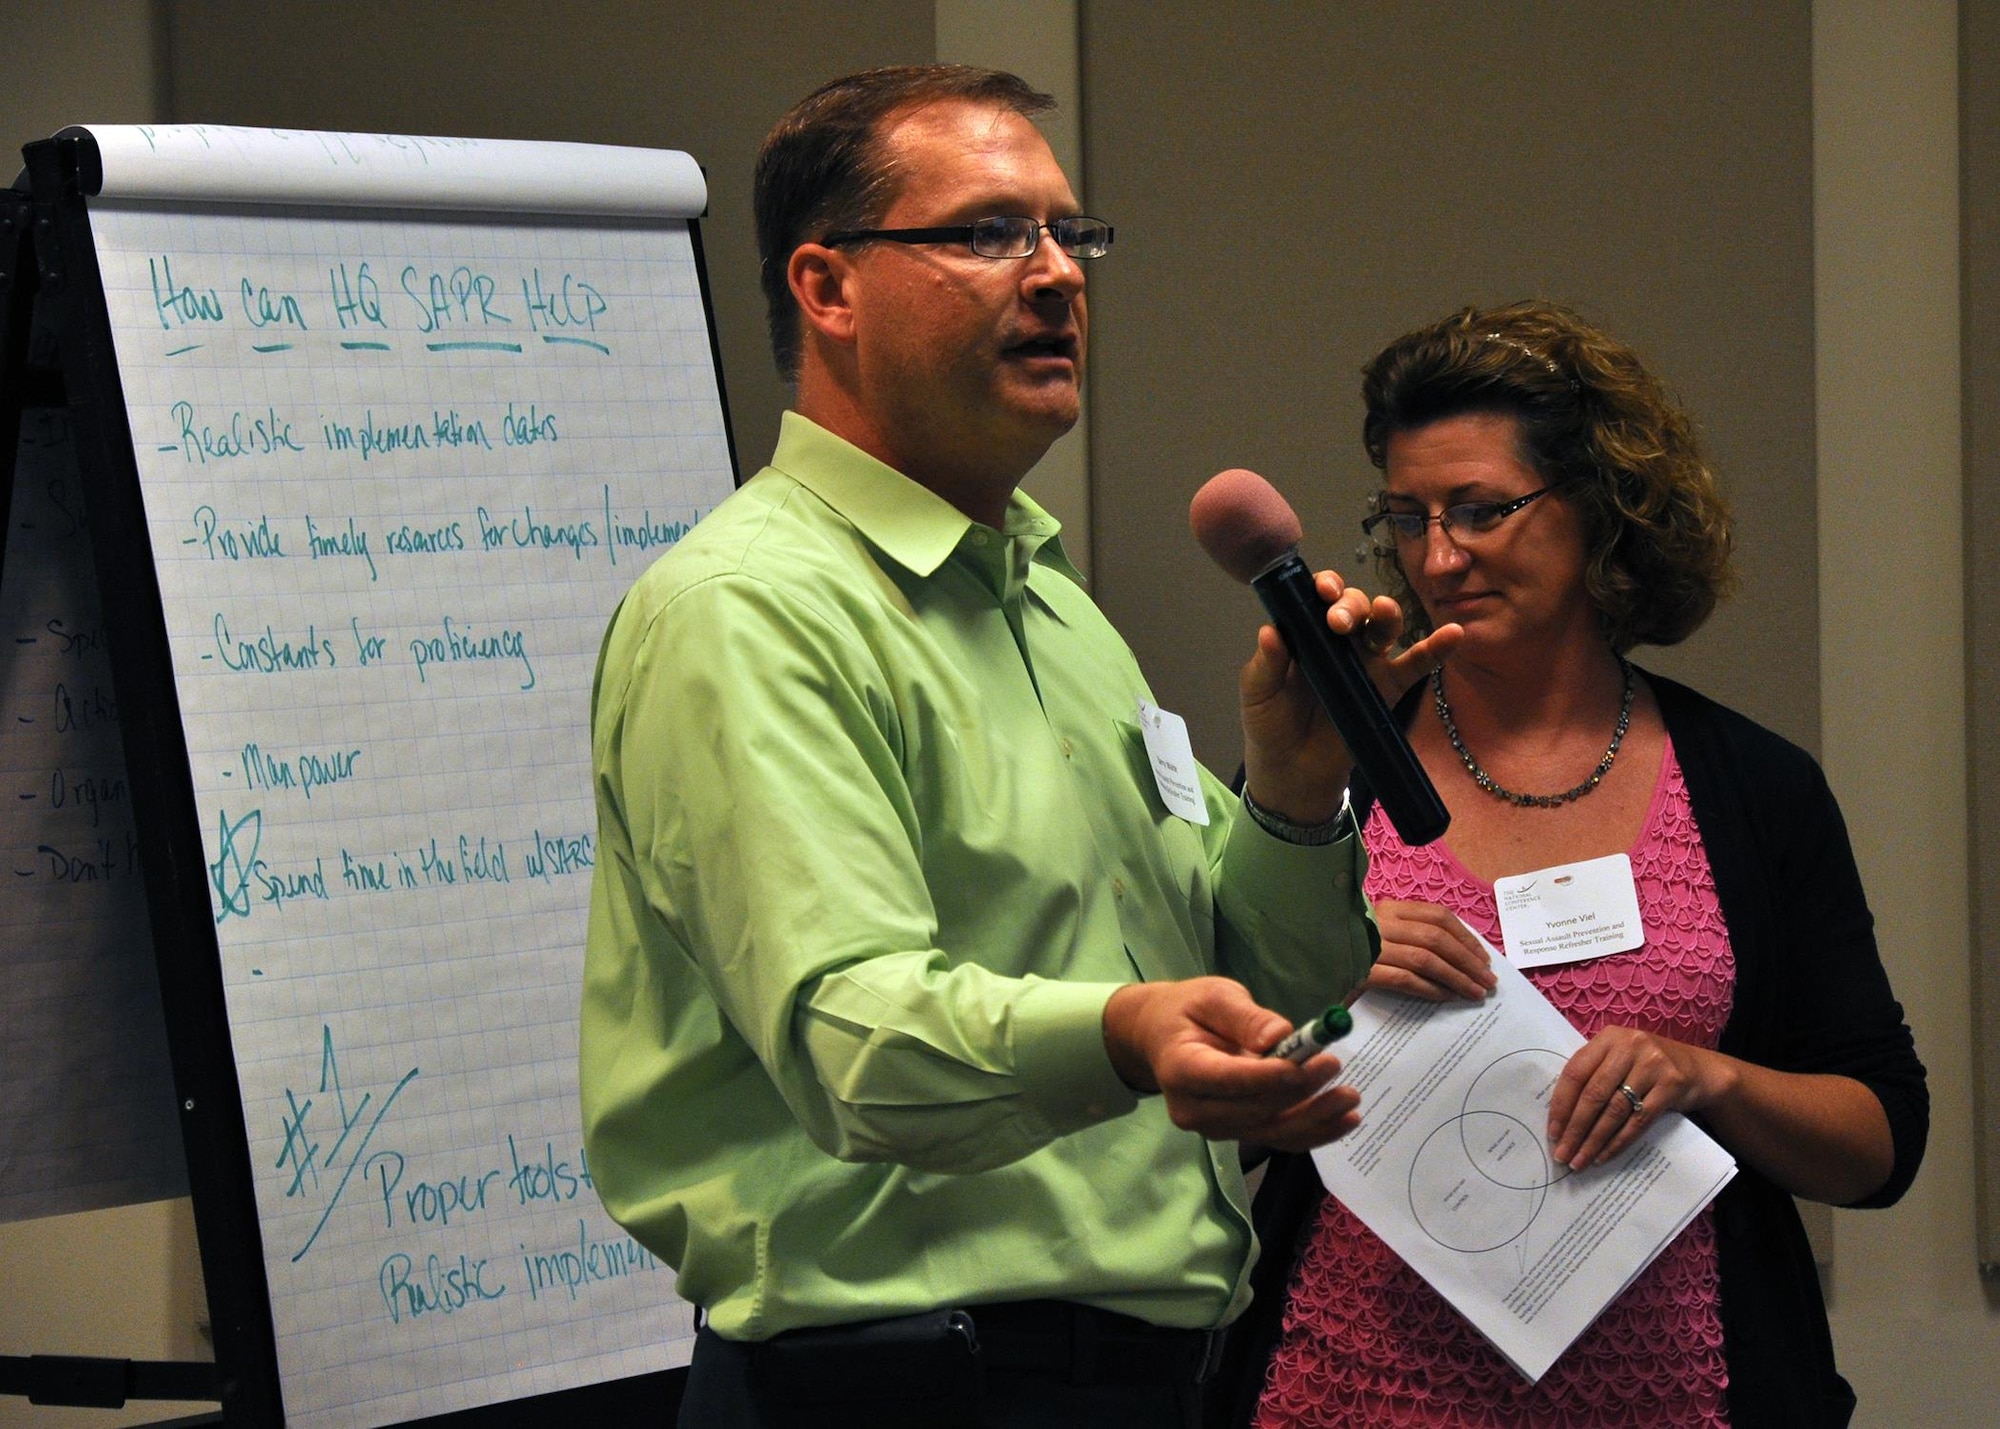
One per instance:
(1367, 1342)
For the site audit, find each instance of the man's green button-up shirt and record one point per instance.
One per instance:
(879, 838)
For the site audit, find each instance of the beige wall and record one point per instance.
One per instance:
(1655, 164)
(81, 62)
(118, 1284)
(1979, 186)
(1916, 1330)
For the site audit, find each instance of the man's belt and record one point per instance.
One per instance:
(1086, 1345)
(941, 1356)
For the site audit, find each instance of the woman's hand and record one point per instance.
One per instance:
(1428, 953)
(1621, 1082)
(1818, 1135)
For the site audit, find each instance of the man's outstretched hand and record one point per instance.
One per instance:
(1201, 1042)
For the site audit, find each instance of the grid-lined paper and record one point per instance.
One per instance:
(398, 469)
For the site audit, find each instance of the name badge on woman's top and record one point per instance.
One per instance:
(1570, 913)
(1174, 769)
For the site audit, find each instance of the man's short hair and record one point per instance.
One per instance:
(822, 167)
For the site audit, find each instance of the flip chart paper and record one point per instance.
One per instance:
(398, 468)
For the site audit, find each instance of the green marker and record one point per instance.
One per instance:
(1309, 1038)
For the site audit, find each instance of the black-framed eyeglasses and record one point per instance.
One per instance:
(1467, 520)
(1005, 236)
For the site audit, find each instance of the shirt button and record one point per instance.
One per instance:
(1067, 749)
(1118, 889)
(1342, 879)
(978, 538)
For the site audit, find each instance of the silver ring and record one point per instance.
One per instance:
(1633, 1100)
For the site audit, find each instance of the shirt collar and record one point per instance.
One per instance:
(908, 522)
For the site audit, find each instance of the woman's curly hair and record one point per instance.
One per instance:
(1598, 427)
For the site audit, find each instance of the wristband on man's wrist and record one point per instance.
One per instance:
(1307, 835)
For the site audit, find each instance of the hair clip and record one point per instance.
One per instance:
(1526, 351)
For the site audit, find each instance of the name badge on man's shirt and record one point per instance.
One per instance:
(1571, 912)
(1174, 769)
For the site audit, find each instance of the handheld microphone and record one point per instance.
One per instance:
(1249, 530)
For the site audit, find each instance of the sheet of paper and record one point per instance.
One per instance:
(1451, 1167)
(86, 1094)
(227, 163)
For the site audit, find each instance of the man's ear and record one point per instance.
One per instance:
(820, 278)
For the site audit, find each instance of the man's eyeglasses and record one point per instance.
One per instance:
(1390, 530)
(1008, 236)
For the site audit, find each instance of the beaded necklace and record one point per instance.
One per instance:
(1535, 801)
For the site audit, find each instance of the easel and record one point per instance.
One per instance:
(52, 225)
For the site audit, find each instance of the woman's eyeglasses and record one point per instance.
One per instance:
(1390, 531)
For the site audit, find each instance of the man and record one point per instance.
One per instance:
(893, 939)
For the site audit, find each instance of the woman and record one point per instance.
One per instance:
(1542, 493)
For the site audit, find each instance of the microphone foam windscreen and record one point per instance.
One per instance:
(1242, 522)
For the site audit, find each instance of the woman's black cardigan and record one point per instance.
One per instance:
(1811, 996)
